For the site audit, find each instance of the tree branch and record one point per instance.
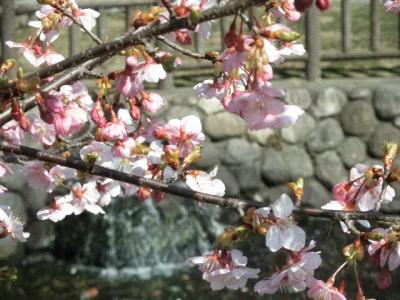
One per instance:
(182, 50)
(232, 203)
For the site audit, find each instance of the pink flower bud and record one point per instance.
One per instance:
(158, 196)
(302, 5)
(231, 36)
(384, 279)
(323, 4)
(97, 115)
(143, 193)
(183, 37)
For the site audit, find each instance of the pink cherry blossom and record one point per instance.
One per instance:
(149, 71)
(224, 269)
(70, 120)
(235, 56)
(78, 93)
(125, 82)
(124, 148)
(114, 130)
(294, 274)
(56, 212)
(319, 290)
(87, 17)
(59, 175)
(286, 8)
(385, 251)
(283, 232)
(37, 175)
(261, 109)
(12, 225)
(43, 133)
(151, 102)
(108, 189)
(210, 88)
(12, 133)
(203, 182)
(392, 6)
(100, 151)
(83, 198)
(185, 133)
(46, 34)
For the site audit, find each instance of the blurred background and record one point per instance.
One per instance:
(348, 84)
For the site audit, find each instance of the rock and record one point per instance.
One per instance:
(224, 125)
(8, 246)
(327, 135)
(384, 132)
(315, 194)
(209, 156)
(329, 168)
(352, 150)
(387, 101)
(299, 131)
(261, 136)
(275, 169)
(358, 118)
(287, 165)
(143, 237)
(396, 122)
(360, 94)
(329, 102)
(248, 176)
(298, 96)
(184, 97)
(231, 184)
(274, 193)
(210, 106)
(239, 151)
(180, 111)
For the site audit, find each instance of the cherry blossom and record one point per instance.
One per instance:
(12, 225)
(224, 269)
(108, 189)
(392, 5)
(294, 274)
(203, 182)
(12, 132)
(319, 290)
(37, 175)
(57, 211)
(42, 132)
(87, 17)
(83, 198)
(261, 109)
(385, 250)
(283, 232)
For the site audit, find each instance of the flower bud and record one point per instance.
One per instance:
(297, 188)
(158, 196)
(143, 193)
(302, 5)
(19, 115)
(7, 65)
(390, 152)
(97, 114)
(172, 154)
(193, 156)
(134, 109)
(323, 4)
(384, 279)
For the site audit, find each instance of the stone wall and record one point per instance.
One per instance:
(346, 121)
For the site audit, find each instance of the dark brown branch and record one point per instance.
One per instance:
(182, 50)
(232, 203)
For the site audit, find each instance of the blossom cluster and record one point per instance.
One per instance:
(115, 129)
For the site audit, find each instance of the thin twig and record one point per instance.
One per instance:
(182, 50)
(232, 203)
(94, 37)
(170, 9)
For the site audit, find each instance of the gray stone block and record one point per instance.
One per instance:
(248, 176)
(224, 125)
(358, 118)
(360, 94)
(261, 136)
(240, 151)
(327, 135)
(387, 101)
(329, 102)
(287, 165)
(315, 194)
(298, 96)
(299, 131)
(330, 169)
(384, 132)
(352, 150)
